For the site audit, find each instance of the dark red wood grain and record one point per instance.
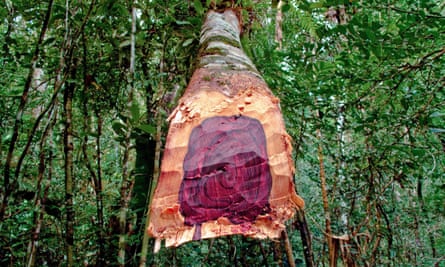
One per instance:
(226, 172)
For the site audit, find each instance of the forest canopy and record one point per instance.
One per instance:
(86, 88)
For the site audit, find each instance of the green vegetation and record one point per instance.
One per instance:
(86, 86)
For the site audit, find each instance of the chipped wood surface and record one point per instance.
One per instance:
(226, 83)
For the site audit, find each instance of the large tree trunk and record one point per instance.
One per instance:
(227, 165)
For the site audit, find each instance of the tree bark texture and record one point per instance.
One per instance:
(69, 166)
(227, 166)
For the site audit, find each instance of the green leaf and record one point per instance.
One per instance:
(150, 129)
(187, 42)
(119, 127)
(92, 134)
(198, 7)
(370, 34)
(437, 114)
(49, 41)
(135, 112)
(7, 137)
(125, 43)
(285, 8)
(183, 22)
(437, 130)
(316, 5)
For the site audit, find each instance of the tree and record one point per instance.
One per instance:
(357, 71)
(227, 156)
(368, 75)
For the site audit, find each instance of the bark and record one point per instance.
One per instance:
(324, 194)
(96, 174)
(277, 254)
(125, 199)
(98, 191)
(306, 239)
(62, 73)
(68, 145)
(127, 185)
(39, 200)
(279, 25)
(69, 177)
(288, 248)
(157, 159)
(225, 87)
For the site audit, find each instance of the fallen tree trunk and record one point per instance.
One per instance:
(227, 166)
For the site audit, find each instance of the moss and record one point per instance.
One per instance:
(225, 63)
(207, 78)
(223, 39)
(215, 51)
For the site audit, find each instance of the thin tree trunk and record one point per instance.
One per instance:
(68, 144)
(300, 222)
(340, 181)
(306, 240)
(8, 185)
(143, 177)
(370, 203)
(324, 193)
(157, 159)
(57, 86)
(39, 200)
(96, 175)
(98, 190)
(66, 53)
(279, 25)
(277, 254)
(425, 215)
(69, 177)
(127, 185)
(264, 254)
(156, 169)
(288, 248)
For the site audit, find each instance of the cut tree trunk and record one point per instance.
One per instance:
(227, 166)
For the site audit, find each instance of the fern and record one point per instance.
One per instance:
(303, 13)
(307, 22)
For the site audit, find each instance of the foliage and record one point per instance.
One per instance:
(376, 80)
(371, 83)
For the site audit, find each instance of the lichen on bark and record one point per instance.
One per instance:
(221, 46)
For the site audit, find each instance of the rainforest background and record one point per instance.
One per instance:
(86, 87)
